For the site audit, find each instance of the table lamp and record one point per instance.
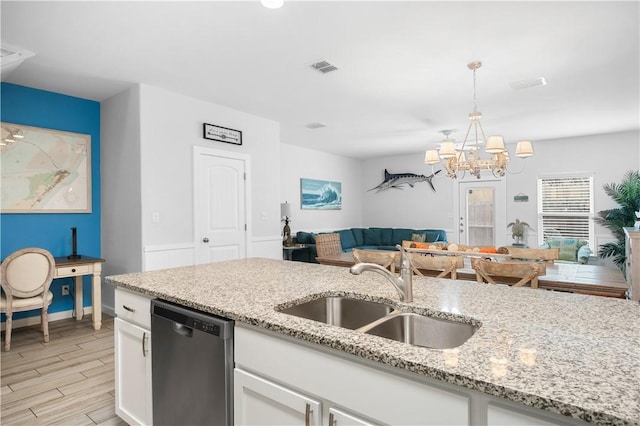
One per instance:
(285, 213)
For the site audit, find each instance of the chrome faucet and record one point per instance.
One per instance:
(403, 284)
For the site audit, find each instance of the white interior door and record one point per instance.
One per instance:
(482, 213)
(219, 206)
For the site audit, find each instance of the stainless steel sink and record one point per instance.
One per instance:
(422, 330)
(341, 311)
(382, 320)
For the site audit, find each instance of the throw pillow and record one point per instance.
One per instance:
(434, 236)
(305, 237)
(373, 237)
(401, 234)
(420, 238)
(358, 234)
(347, 240)
(386, 237)
(583, 254)
(568, 249)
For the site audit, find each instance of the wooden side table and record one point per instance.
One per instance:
(287, 252)
(77, 268)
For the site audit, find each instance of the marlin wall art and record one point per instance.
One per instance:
(397, 180)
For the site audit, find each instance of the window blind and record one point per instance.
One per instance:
(565, 206)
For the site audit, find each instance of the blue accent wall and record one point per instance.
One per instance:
(52, 231)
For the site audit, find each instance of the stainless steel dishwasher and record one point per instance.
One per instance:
(192, 366)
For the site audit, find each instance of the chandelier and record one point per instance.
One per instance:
(458, 161)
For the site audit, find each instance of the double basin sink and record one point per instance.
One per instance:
(381, 319)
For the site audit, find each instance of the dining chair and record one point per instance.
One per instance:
(447, 265)
(25, 276)
(546, 255)
(328, 244)
(489, 271)
(386, 259)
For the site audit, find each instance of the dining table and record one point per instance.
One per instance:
(577, 278)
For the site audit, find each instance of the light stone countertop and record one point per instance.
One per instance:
(571, 354)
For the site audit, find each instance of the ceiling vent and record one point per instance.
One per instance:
(525, 84)
(315, 125)
(324, 66)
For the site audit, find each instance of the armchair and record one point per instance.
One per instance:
(570, 249)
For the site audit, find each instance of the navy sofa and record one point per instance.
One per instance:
(366, 239)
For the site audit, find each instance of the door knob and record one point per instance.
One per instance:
(205, 240)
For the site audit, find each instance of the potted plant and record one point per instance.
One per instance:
(517, 231)
(627, 195)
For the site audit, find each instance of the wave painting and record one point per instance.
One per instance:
(320, 194)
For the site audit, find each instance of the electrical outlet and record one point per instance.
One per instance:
(65, 290)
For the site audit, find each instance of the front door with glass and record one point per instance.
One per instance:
(481, 213)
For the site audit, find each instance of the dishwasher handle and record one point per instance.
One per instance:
(182, 330)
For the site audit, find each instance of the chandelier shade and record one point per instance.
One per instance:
(495, 145)
(455, 160)
(524, 149)
(431, 156)
(447, 149)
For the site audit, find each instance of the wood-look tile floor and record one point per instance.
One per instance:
(68, 381)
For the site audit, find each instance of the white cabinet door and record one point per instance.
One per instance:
(133, 373)
(338, 417)
(258, 401)
(503, 416)
(382, 396)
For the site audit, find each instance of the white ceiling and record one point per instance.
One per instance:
(403, 65)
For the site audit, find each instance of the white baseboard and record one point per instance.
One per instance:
(108, 310)
(55, 316)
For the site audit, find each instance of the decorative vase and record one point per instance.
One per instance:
(286, 234)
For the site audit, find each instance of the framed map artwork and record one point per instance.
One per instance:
(44, 170)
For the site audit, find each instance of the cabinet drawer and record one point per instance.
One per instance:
(74, 270)
(133, 307)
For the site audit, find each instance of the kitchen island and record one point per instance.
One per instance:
(573, 355)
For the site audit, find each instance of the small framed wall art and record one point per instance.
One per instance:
(320, 195)
(221, 134)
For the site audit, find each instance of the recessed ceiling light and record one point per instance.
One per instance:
(272, 4)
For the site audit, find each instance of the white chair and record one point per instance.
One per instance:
(25, 276)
